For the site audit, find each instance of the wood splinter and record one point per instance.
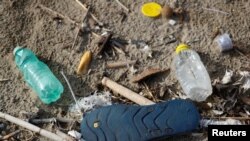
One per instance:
(119, 64)
(122, 5)
(92, 16)
(103, 43)
(58, 14)
(147, 73)
(6, 137)
(32, 127)
(127, 93)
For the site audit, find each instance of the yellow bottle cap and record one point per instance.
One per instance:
(151, 9)
(181, 47)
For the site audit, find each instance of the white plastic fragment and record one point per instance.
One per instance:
(227, 78)
(224, 42)
(133, 70)
(217, 112)
(206, 122)
(75, 134)
(172, 22)
(246, 78)
(91, 102)
(147, 50)
(210, 104)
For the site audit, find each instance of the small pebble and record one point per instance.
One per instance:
(2, 126)
(167, 12)
(172, 22)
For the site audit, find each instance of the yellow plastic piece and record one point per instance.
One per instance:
(181, 47)
(84, 63)
(151, 9)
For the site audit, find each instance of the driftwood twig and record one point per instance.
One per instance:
(6, 137)
(122, 5)
(57, 14)
(92, 16)
(79, 28)
(2, 80)
(126, 92)
(120, 64)
(147, 73)
(31, 127)
(236, 118)
(49, 120)
(103, 43)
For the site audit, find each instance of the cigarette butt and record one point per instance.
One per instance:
(84, 63)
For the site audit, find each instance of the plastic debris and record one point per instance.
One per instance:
(224, 42)
(246, 77)
(151, 9)
(84, 63)
(227, 78)
(91, 102)
(206, 122)
(217, 112)
(75, 134)
(133, 70)
(172, 22)
(147, 50)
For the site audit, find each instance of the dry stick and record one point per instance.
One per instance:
(31, 127)
(122, 5)
(2, 80)
(92, 16)
(57, 14)
(150, 93)
(215, 10)
(95, 34)
(10, 135)
(49, 120)
(126, 92)
(120, 64)
(236, 118)
(78, 31)
(70, 88)
(79, 28)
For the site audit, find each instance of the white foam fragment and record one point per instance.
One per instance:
(133, 70)
(245, 73)
(147, 50)
(246, 76)
(217, 112)
(227, 78)
(91, 102)
(206, 122)
(75, 134)
(172, 22)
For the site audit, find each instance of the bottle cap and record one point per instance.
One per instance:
(151, 9)
(16, 49)
(181, 47)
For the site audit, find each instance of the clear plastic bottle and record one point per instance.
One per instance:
(192, 74)
(38, 75)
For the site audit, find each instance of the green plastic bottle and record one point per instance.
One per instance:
(38, 75)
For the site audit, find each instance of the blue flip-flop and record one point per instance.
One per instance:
(140, 123)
